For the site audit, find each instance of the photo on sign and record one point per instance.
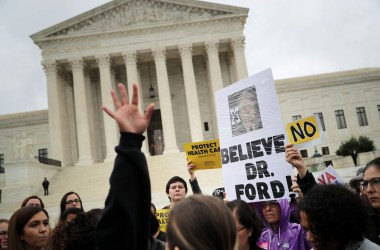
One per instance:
(244, 111)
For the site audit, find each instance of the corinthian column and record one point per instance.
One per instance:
(130, 60)
(215, 74)
(81, 113)
(237, 46)
(159, 55)
(214, 65)
(59, 148)
(110, 129)
(194, 114)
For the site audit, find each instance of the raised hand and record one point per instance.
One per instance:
(127, 114)
(293, 156)
(191, 168)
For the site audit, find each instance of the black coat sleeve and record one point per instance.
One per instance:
(307, 182)
(195, 186)
(125, 222)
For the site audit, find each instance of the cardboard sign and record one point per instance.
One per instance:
(162, 217)
(252, 140)
(329, 176)
(306, 132)
(205, 154)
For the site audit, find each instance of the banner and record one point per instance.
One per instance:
(204, 154)
(306, 132)
(252, 140)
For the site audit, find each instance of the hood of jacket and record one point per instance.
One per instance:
(284, 211)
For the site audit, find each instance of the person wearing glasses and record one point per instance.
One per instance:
(33, 201)
(4, 234)
(370, 187)
(71, 199)
(279, 233)
(248, 225)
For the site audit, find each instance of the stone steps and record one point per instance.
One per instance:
(92, 183)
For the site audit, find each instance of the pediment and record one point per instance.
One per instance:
(133, 14)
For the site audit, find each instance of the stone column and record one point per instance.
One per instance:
(130, 60)
(215, 73)
(81, 113)
(110, 127)
(237, 46)
(159, 55)
(59, 148)
(194, 114)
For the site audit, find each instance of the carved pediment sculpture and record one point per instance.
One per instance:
(139, 13)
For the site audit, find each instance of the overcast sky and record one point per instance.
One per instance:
(292, 37)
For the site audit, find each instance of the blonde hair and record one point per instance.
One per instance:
(201, 222)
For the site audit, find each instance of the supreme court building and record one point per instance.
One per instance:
(178, 52)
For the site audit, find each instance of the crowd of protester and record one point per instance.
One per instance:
(328, 217)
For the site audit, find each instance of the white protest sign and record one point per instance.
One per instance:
(329, 176)
(252, 140)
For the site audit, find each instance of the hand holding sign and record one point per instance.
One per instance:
(191, 168)
(293, 156)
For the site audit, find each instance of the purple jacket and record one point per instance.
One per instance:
(290, 235)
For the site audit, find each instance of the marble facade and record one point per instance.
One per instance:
(180, 48)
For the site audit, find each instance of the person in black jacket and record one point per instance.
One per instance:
(125, 223)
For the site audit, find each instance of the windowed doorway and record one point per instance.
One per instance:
(156, 134)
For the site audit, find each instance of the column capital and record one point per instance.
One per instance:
(185, 50)
(77, 64)
(212, 46)
(237, 43)
(50, 67)
(159, 53)
(104, 60)
(130, 56)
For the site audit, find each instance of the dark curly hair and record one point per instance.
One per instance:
(248, 218)
(334, 213)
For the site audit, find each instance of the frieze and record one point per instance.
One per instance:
(139, 13)
(92, 41)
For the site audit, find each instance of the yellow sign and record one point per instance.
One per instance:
(162, 217)
(205, 154)
(303, 130)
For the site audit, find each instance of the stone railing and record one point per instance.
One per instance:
(319, 163)
(48, 161)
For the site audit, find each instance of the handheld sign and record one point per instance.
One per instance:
(205, 154)
(306, 132)
(252, 140)
(162, 217)
(329, 176)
